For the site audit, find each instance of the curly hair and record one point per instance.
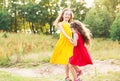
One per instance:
(84, 31)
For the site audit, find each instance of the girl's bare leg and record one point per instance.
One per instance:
(67, 70)
(79, 72)
(67, 78)
(73, 71)
(76, 68)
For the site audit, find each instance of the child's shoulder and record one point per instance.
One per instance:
(76, 35)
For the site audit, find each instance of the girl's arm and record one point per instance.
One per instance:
(62, 30)
(74, 41)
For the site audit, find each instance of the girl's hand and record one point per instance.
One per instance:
(69, 38)
(74, 40)
(71, 41)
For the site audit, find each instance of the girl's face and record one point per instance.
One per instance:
(66, 15)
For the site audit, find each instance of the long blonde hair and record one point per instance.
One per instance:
(84, 31)
(60, 17)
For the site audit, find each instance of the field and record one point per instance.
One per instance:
(26, 51)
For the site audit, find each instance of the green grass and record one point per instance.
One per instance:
(110, 76)
(104, 49)
(4, 76)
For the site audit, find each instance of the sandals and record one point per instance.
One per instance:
(67, 79)
(78, 74)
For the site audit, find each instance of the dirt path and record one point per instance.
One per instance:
(46, 69)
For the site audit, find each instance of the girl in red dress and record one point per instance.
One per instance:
(81, 55)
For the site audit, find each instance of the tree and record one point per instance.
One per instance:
(101, 16)
(115, 28)
(48, 12)
(31, 15)
(12, 9)
(111, 6)
(4, 21)
(22, 12)
(79, 9)
(39, 14)
(99, 21)
(2, 4)
(63, 4)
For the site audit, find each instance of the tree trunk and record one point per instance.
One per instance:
(33, 30)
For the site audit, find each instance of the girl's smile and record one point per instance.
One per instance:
(66, 15)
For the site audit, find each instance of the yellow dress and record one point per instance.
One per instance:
(64, 49)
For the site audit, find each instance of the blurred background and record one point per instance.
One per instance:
(28, 37)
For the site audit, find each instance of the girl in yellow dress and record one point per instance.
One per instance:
(64, 49)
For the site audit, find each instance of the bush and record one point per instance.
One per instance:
(4, 21)
(55, 35)
(115, 28)
(4, 61)
(5, 35)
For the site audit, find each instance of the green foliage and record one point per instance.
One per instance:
(4, 21)
(44, 59)
(111, 5)
(46, 28)
(5, 35)
(63, 4)
(115, 28)
(4, 61)
(55, 35)
(48, 12)
(99, 21)
(32, 15)
(42, 12)
(79, 9)
(100, 17)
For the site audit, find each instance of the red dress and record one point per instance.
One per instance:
(80, 56)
